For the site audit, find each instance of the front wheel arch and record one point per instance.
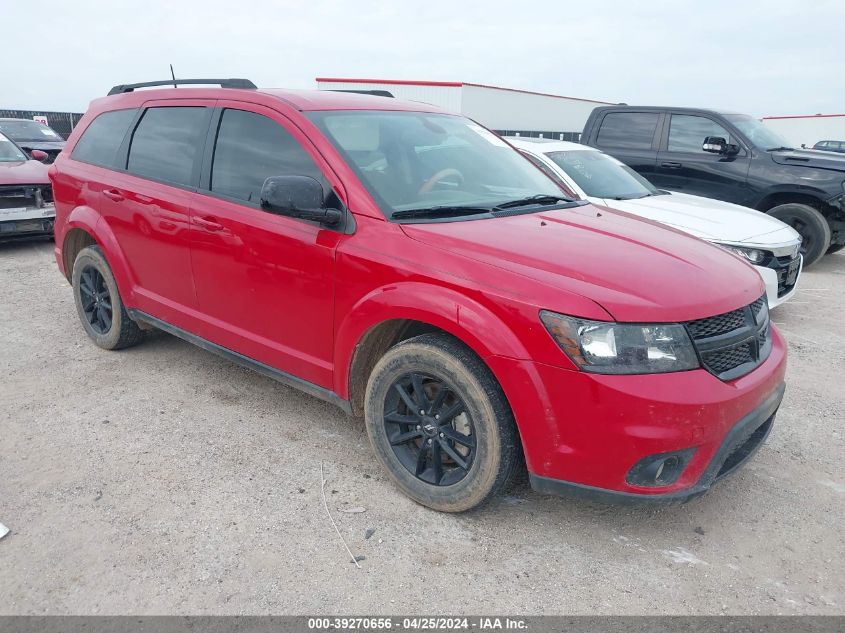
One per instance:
(813, 227)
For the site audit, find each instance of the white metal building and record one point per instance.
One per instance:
(809, 129)
(505, 110)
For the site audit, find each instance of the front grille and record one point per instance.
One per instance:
(13, 196)
(713, 326)
(724, 360)
(732, 344)
(786, 269)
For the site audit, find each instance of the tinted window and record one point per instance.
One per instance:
(165, 143)
(251, 148)
(687, 132)
(633, 130)
(101, 140)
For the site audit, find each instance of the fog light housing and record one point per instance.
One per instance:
(660, 469)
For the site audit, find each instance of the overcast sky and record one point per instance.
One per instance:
(765, 58)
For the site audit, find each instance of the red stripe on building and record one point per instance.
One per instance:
(803, 116)
(448, 84)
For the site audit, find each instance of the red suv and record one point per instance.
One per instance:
(410, 266)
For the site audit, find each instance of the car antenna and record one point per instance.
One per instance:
(172, 74)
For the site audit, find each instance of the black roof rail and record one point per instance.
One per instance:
(376, 93)
(224, 83)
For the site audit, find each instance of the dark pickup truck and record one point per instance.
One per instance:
(730, 157)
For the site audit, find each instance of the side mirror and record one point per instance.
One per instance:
(38, 155)
(718, 145)
(298, 197)
(715, 145)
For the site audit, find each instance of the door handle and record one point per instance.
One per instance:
(209, 223)
(671, 165)
(113, 194)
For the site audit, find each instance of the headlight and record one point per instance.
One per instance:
(753, 255)
(621, 348)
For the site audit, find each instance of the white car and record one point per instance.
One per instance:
(767, 243)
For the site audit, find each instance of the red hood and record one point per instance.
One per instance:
(29, 172)
(636, 269)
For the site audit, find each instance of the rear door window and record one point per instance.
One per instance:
(166, 142)
(628, 130)
(251, 148)
(102, 138)
(687, 133)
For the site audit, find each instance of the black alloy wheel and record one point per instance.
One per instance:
(96, 300)
(429, 429)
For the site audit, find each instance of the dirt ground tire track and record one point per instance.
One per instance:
(165, 480)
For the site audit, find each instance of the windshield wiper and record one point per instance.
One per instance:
(438, 212)
(538, 199)
(780, 149)
(645, 195)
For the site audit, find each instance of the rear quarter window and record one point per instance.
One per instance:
(628, 130)
(102, 138)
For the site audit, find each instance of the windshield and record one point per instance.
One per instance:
(757, 132)
(415, 160)
(9, 152)
(22, 130)
(600, 176)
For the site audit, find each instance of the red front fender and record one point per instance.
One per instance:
(464, 318)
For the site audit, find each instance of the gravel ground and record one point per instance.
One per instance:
(165, 480)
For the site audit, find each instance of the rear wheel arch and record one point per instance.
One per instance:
(75, 240)
(86, 228)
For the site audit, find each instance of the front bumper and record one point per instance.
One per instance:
(27, 222)
(583, 431)
(780, 282)
(741, 442)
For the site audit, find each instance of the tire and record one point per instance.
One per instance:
(476, 425)
(98, 303)
(811, 224)
(834, 248)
